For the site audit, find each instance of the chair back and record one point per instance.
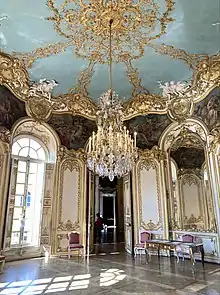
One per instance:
(197, 240)
(73, 238)
(145, 236)
(188, 238)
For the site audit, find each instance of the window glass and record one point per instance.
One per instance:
(17, 212)
(33, 168)
(24, 142)
(21, 177)
(35, 145)
(41, 154)
(22, 166)
(15, 148)
(16, 226)
(32, 154)
(19, 200)
(15, 238)
(24, 152)
(19, 189)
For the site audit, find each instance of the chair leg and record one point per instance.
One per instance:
(135, 252)
(68, 253)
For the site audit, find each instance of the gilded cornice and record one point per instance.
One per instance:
(14, 76)
(189, 173)
(153, 154)
(65, 154)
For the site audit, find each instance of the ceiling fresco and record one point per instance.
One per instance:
(208, 110)
(73, 131)
(149, 129)
(11, 108)
(68, 41)
(188, 158)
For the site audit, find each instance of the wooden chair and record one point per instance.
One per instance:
(144, 237)
(74, 243)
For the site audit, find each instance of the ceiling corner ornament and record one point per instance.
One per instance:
(180, 99)
(85, 23)
(13, 75)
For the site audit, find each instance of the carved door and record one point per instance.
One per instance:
(128, 214)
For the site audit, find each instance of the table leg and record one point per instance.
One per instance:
(202, 256)
(158, 252)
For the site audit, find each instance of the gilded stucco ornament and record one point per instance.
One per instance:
(5, 135)
(69, 226)
(155, 154)
(135, 24)
(65, 154)
(195, 172)
(14, 75)
(38, 108)
(214, 139)
(143, 104)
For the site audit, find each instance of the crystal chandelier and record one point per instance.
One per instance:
(111, 150)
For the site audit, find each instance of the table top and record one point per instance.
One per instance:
(173, 242)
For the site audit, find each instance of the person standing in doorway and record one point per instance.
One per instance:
(99, 228)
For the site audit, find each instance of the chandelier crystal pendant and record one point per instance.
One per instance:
(111, 150)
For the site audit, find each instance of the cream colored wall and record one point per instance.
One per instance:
(70, 205)
(149, 198)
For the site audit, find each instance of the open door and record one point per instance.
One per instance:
(128, 212)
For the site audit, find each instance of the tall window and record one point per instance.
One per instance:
(28, 193)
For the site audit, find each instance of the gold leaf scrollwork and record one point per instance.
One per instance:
(144, 103)
(180, 108)
(69, 226)
(14, 75)
(38, 108)
(5, 135)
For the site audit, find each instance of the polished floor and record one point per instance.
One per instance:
(110, 273)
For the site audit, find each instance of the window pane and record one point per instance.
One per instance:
(24, 152)
(33, 167)
(16, 226)
(22, 166)
(15, 148)
(35, 145)
(15, 238)
(41, 154)
(19, 201)
(32, 178)
(19, 189)
(24, 142)
(21, 177)
(17, 213)
(27, 238)
(32, 154)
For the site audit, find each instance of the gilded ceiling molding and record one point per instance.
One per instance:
(192, 60)
(134, 79)
(87, 24)
(14, 76)
(143, 104)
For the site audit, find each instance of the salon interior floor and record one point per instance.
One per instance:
(110, 273)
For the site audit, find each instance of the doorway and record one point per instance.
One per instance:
(108, 200)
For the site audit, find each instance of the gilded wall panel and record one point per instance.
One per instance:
(149, 198)
(70, 198)
(127, 213)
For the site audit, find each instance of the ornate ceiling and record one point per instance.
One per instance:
(67, 40)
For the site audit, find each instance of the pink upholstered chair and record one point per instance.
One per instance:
(144, 237)
(74, 243)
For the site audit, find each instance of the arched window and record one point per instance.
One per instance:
(28, 156)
